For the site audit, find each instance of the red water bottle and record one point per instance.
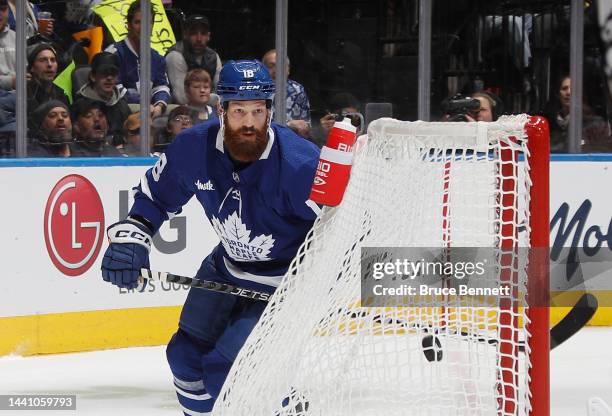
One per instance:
(334, 168)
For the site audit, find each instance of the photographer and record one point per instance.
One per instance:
(480, 106)
(341, 105)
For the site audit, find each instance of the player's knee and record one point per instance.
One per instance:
(173, 351)
(216, 368)
(184, 355)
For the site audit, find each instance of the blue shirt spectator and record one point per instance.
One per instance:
(297, 104)
(128, 51)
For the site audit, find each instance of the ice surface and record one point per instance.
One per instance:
(137, 381)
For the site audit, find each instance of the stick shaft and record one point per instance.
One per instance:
(147, 274)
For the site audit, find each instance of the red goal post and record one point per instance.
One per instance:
(539, 287)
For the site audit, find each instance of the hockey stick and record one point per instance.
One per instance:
(146, 274)
(580, 314)
(577, 317)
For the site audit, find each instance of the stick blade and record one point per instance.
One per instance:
(577, 318)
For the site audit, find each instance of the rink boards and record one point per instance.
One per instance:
(55, 212)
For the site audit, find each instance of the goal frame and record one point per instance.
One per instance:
(520, 203)
(538, 285)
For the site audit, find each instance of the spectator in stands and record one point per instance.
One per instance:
(102, 86)
(50, 130)
(90, 129)
(31, 19)
(128, 51)
(595, 131)
(191, 53)
(72, 16)
(42, 70)
(490, 106)
(8, 125)
(131, 134)
(298, 106)
(180, 118)
(8, 105)
(197, 90)
(7, 50)
(341, 104)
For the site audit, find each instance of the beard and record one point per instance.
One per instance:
(245, 149)
(58, 137)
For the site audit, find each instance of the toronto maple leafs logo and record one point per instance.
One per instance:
(236, 239)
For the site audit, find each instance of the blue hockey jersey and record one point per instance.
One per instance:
(261, 213)
(129, 73)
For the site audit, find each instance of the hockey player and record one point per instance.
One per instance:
(253, 178)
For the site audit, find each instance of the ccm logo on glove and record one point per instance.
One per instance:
(133, 234)
(129, 232)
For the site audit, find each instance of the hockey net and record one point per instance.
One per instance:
(319, 350)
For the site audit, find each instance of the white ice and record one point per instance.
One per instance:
(137, 381)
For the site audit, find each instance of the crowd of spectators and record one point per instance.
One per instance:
(100, 114)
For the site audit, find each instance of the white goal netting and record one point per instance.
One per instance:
(318, 350)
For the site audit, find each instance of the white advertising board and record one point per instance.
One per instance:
(36, 266)
(581, 217)
(53, 227)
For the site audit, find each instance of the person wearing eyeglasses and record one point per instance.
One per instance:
(179, 119)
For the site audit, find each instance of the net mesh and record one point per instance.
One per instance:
(317, 350)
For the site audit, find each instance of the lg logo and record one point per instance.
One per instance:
(73, 225)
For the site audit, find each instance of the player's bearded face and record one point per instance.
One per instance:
(246, 129)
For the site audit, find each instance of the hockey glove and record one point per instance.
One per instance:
(128, 252)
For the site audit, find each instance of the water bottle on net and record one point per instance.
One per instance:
(335, 162)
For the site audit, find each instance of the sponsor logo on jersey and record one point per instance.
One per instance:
(73, 225)
(207, 186)
(237, 241)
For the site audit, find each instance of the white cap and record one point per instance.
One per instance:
(345, 124)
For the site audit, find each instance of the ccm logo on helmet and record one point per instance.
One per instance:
(135, 235)
(248, 87)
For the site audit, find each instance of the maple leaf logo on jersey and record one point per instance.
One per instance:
(236, 239)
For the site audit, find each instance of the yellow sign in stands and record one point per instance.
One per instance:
(113, 13)
(64, 80)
